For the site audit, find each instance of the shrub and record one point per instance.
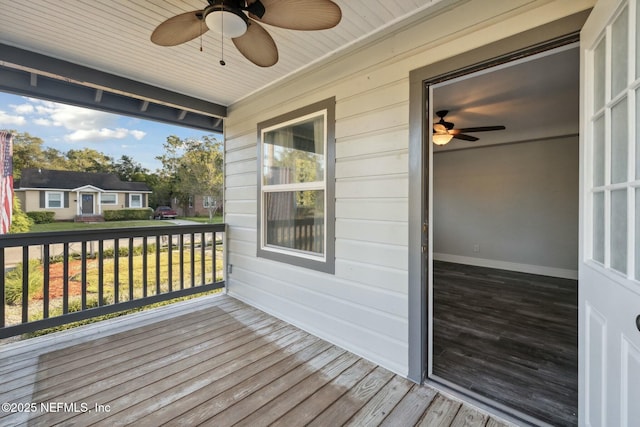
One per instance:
(127, 214)
(20, 222)
(41, 217)
(13, 282)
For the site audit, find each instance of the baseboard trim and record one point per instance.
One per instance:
(511, 266)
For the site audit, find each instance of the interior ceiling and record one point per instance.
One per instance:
(533, 99)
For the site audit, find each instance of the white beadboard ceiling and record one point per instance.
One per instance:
(113, 36)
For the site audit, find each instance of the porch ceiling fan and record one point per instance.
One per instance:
(443, 131)
(229, 18)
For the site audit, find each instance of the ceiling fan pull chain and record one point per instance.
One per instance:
(222, 39)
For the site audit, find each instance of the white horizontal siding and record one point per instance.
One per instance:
(363, 306)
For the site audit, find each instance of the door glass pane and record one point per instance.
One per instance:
(619, 144)
(638, 132)
(619, 230)
(637, 245)
(598, 152)
(599, 75)
(598, 227)
(619, 53)
(637, 43)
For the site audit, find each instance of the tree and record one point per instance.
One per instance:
(128, 169)
(88, 160)
(192, 167)
(27, 152)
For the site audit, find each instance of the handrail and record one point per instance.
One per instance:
(119, 269)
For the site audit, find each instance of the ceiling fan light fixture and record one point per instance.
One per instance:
(441, 138)
(226, 21)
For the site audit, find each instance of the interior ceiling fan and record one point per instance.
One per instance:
(443, 131)
(229, 18)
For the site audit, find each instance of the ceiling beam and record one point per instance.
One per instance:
(71, 77)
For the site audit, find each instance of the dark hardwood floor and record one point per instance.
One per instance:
(509, 336)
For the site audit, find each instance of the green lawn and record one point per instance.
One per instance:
(69, 226)
(217, 219)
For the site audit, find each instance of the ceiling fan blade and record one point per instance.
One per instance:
(299, 14)
(439, 128)
(465, 137)
(480, 129)
(179, 29)
(257, 45)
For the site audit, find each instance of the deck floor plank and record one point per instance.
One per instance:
(409, 410)
(215, 362)
(112, 358)
(380, 405)
(259, 389)
(352, 401)
(284, 402)
(441, 412)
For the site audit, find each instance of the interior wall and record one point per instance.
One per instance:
(511, 206)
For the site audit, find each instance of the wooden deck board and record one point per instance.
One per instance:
(217, 362)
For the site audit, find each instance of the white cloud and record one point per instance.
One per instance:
(23, 108)
(7, 119)
(84, 125)
(43, 122)
(137, 134)
(97, 134)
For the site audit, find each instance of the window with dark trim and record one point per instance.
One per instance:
(54, 200)
(296, 201)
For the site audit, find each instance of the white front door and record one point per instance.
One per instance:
(609, 282)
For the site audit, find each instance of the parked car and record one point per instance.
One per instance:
(164, 212)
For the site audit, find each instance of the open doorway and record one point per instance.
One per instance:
(504, 237)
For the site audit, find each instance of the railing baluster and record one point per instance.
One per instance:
(25, 284)
(214, 248)
(116, 271)
(203, 244)
(144, 267)
(181, 243)
(65, 278)
(130, 268)
(100, 272)
(193, 260)
(45, 282)
(83, 274)
(158, 265)
(170, 258)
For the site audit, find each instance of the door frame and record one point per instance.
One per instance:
(546, 37)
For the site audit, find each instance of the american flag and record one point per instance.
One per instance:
(6, 181)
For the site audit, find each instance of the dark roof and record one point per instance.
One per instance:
(69, 180)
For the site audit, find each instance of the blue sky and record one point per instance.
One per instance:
(66, 127)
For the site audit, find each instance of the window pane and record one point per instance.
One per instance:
(619, 53)
(619, 230)
(136, 201)
(109, 199)
(619, 143)
(598, 152)
(598, 84)
(55, 200)
(598, 227)
(295, 220)
(295, 153)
